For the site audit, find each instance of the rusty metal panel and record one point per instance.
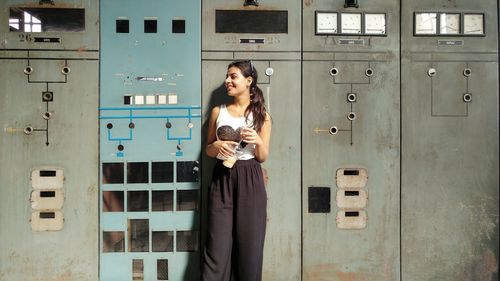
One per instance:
(350, 143)
(48, 157)
(450, 156)
(67, 140)
(282, 246)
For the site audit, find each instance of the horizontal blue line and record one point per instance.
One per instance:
(150, 108)
(119, 139)
(151, 117)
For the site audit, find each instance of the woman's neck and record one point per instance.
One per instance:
(242, 101)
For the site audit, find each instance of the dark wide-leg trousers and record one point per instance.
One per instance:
(236, 223)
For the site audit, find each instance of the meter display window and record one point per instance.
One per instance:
(326, 23)
(449, 23)
(350, 23)
(425, 23)
(474, 24)
(375, 24)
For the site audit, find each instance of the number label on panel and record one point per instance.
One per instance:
(326, 23)
(350, 23)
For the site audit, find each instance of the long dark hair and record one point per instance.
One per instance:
(257, 104)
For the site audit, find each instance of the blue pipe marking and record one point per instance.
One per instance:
(180, 138)
(151, 117)
(110, 138)
(150, 108)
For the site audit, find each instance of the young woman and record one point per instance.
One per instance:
(237, 197)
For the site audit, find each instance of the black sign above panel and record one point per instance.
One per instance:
(236, 21)
(23, 19)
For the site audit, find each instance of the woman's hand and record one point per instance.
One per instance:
(225, 148)
(249, 135)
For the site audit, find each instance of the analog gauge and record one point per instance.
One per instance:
(375, 23)
(326, 23)
(350, 23)
(473, 24)
(425, 23)
(449, 23)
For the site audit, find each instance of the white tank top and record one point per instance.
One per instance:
(228, 128)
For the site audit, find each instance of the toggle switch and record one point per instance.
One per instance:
(431, 72)
(28, 70)
(369, 72)
(467, 97)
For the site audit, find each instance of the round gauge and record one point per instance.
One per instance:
(449, 23)
(350, 23)
(425, 23)
(326, 23)
(375, 23)
(473, 24)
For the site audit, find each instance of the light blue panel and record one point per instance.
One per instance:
(163, 66)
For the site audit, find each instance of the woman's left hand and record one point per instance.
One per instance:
(249, 135)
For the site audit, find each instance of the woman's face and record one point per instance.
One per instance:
(237, 84)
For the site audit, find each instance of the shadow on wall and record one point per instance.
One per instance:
(217, 97)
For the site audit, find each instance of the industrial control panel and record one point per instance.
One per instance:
(350, 140)
(384, 152)
(269, 34)
(449, 173)
(49, 63)
(150, 126)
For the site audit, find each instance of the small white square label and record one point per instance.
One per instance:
(172, 99)
(139, 100)
(162, 99)
(150, 100)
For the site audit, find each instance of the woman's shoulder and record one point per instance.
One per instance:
(267, 116)
(217, 110)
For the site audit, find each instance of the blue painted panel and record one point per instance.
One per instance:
(149, 113)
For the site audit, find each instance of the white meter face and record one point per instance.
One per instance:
(326, 23)
(449, 23)
(375, 23)
(474, 24)
(425, 23)
(350, 23)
